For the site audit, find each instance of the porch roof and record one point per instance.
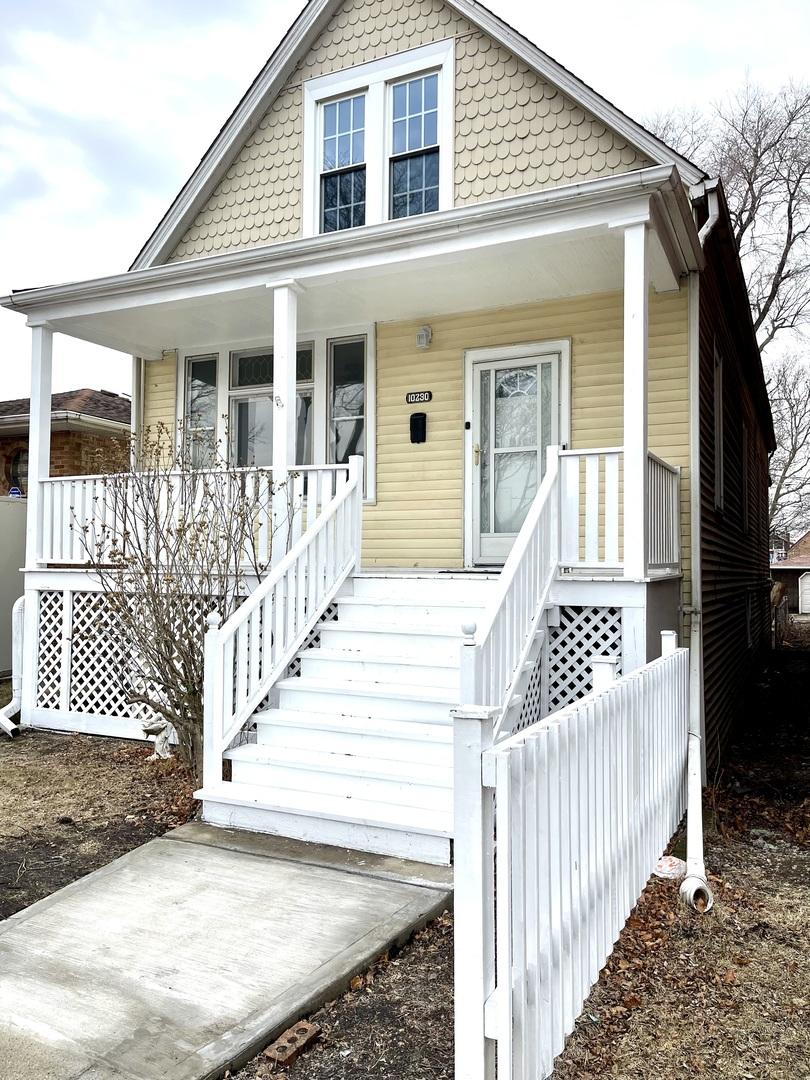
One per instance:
(562, 242)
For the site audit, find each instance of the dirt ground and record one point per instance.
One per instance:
(725, 995)
(71, 803)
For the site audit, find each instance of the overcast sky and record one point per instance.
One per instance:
(106, 107)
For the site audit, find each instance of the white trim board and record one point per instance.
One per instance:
(294, 46)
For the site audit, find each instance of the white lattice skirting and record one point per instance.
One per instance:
(79, 653)
(584, 632)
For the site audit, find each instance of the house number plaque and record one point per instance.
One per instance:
(418, 397)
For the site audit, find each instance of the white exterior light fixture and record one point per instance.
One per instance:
(424, 336)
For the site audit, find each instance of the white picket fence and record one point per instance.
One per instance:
(558, 828)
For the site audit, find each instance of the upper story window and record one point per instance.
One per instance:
(378, 140)
(343, 176)
(414, 174)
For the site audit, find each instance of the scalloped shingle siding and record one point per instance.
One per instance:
(514, 131)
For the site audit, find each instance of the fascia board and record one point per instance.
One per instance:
(239, 125)
(318, 254)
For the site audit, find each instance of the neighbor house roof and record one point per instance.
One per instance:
(86, 408)
(798, 556)
(300, 37)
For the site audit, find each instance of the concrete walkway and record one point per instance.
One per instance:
(188, 955)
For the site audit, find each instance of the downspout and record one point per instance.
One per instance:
(13, 708)
(695, 891)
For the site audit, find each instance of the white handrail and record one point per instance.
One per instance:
(245, 656)
(492, 659)
(663, 515)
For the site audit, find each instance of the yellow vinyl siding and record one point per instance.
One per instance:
(418, 519)
(160, 392)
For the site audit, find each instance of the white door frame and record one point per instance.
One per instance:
(522, 351)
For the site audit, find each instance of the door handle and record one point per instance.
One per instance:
(477, 454)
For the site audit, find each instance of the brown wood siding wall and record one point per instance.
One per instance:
(735, 557)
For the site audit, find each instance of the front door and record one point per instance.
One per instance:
(515, 416)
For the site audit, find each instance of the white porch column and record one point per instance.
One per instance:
(39, 439)
(636, 302)
(285, 332)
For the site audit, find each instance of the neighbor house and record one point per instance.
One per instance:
(498, 333)
(90, 433)
(793, 571)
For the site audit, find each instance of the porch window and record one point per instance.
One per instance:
(347, 398)
(343, 169)
(414, 164)
(252, 405)
(201, 410)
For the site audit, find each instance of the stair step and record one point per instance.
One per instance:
(397, 701)
(465, 588)
(377, 737)
(430, 643)
(344, 664)
(346, 723)
(332, 807)
(259, 767)
(367, 611)
(348, 765)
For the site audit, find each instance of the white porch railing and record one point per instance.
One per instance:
(245, 656)
(585, 802)
(590, 521)
(663, 516)
(589, 509)
(497, 657)
(81, 512)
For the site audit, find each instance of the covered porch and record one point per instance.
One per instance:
(410, 299)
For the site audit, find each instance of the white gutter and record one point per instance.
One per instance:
(64, 420)
(695, 891)
(13, 708)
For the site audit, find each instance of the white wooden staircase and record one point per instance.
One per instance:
(357, 749)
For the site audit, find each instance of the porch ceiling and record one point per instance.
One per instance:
(554, 244)
(421, 287)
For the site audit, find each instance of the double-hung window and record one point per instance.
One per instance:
(378, 140)
(252, 405)
(414, 166)
(343, 164)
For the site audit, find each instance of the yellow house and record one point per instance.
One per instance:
(508, 326)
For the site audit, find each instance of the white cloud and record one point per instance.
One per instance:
(106, 108)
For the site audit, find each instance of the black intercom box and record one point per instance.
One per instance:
(418, 427)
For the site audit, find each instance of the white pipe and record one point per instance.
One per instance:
(714, 213)
(695, 891)
(13, 708)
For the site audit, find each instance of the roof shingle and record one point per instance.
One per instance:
(100, 403)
